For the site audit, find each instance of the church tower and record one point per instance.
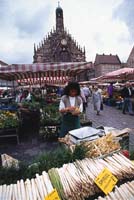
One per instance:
(58, 46)
(59, 19)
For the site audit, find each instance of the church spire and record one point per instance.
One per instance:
(59, 19)
(34, 48)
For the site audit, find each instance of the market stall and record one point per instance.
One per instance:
(123, 74)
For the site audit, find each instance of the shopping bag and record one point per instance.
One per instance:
(101, 106)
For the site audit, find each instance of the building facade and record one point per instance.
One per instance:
(58, 46)
(106, 63)
(130, 60)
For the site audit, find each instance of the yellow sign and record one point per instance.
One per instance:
(53, 196)
(106, 181)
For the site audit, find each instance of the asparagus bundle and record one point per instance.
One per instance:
(77, 179)
(124, 192)
(56, 181)
(34, 189)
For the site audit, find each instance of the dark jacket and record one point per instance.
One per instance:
(125, 92)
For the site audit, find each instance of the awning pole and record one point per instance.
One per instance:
(7, 83)
(13, 87)
(40, 84)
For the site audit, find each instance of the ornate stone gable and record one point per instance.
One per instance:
(58, 46)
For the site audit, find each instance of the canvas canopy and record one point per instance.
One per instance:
(46, 73)
(122, 74)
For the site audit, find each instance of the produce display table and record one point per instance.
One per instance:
(50, 130)
(9, 132)
(29, 122)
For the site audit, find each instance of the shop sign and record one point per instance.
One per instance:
(53, 195)
(106, 181)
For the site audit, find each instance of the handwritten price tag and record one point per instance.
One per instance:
(106, 181)
(53, 196)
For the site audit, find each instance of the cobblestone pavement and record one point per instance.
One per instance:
(110, 116)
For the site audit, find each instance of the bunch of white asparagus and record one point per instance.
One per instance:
(124, 192)
(35, 189)
(77, 179)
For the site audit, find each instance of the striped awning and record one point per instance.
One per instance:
(43, 72)
(120, 73)
(123, 74)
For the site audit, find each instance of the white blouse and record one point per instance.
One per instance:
(72, 103)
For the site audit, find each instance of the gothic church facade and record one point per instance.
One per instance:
(58, 46)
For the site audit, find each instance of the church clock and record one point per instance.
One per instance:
(64, 42)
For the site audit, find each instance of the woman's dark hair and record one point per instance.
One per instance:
(70, 86)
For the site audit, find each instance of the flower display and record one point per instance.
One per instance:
(8, 119)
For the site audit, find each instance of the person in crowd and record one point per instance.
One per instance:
(18, 96)
(36, 95)
(29, 96)
(60, 91)
(126, 94)
(70, 107)
(23, 96)
(44, 91)
(110, 90)
(97, 99)
(83, 99)
(86, 91)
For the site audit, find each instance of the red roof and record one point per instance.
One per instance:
(107, 59)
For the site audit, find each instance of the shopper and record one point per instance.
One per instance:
(70, 107)
(86, 91)
(110, 90)
(127, 93)
(84, 100)
(97, 99)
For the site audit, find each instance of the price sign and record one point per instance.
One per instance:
(53, 195)
(106, 181)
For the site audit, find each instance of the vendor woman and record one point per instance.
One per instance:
(70, 107)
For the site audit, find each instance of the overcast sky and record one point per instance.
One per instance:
(102, 26)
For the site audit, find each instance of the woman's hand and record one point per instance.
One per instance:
(72, 109)
(67, 109)
(76, 111)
